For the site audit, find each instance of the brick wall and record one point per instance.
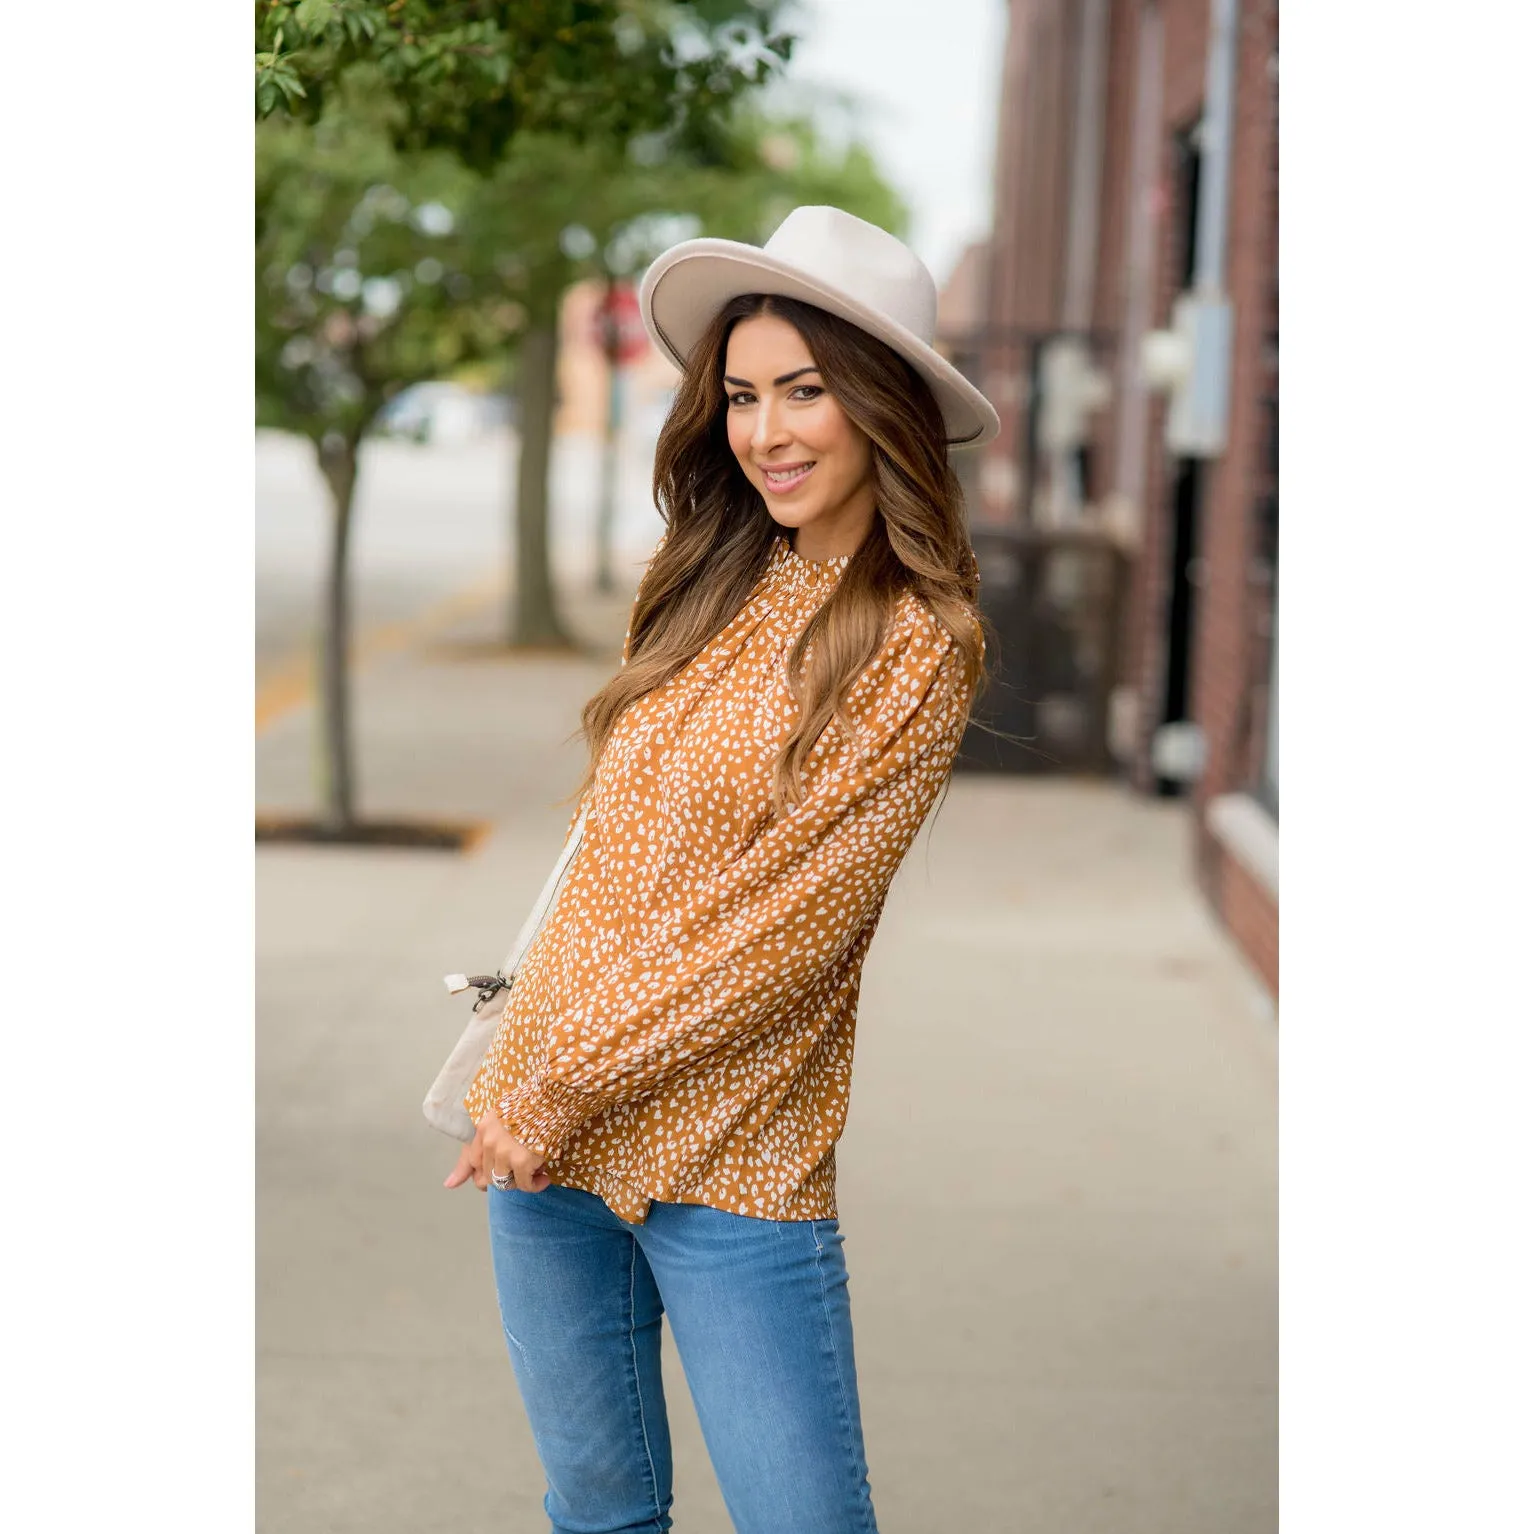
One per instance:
(1249, 912)
(1231, 610)
(1223, 651)
(1231, 650)
(1025, 272)
(1232, 601)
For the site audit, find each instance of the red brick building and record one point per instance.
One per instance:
(1135, 198)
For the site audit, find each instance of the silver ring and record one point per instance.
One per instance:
(503, 1183)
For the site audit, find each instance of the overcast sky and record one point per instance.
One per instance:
(925, 75)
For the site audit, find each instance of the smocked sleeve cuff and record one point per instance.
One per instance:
(543, 1115)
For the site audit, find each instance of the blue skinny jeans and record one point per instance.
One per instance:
(761, 1321)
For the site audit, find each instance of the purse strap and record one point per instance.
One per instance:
(545, 901)
(489, 985)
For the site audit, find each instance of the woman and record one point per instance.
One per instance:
(658, 1115)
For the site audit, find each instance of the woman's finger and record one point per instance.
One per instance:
(476, 1158)
(470, 1158)
(462, 1170)
(498, 1151)
(499, 1161)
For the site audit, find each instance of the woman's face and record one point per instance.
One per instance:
(795, 444)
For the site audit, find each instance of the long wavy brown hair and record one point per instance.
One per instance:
(719, 536)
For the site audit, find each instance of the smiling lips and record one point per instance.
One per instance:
(781, 479)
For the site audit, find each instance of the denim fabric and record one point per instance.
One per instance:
(759, 1313)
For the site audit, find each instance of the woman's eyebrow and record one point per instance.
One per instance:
(777, 383)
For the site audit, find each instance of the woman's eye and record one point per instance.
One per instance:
(742, 398)
(809, 391)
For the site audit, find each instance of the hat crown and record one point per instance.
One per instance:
(862, 260)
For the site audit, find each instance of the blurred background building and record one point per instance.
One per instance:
(1113, 290)
(457, 416)
(1123, 315)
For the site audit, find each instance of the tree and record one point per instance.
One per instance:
(368, 106)
(473, 75)
(365, 283)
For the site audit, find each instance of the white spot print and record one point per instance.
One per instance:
(682, 1029)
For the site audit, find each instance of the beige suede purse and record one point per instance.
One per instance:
(443, 1106)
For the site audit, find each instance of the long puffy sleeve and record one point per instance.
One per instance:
(732, 953)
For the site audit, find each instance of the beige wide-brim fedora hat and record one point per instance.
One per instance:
(839, 263)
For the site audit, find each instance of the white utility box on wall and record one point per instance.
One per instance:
(1191, 364)
(1071, 388)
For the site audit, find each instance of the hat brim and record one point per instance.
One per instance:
(687, 286)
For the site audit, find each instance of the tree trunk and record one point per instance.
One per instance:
(534, 618)
(336, 785)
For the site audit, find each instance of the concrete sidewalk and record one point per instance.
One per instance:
(1058, 1185)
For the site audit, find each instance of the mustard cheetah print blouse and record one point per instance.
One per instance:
(682, 1026)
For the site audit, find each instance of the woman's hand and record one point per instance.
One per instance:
(494, 1150)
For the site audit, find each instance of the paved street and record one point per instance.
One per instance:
(1058, 1185)
(430, 522)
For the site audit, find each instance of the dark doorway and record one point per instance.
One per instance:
(1176, 698)
(1187, 482)
(1188, 162)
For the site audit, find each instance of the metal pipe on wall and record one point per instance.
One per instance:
(1139, 270)
(1084, 192)
(1214, 149)
(1086, 168)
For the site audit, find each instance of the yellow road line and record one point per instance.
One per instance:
(292, 686)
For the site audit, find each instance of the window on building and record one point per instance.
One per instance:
(1266, 552)
(1267, 780)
